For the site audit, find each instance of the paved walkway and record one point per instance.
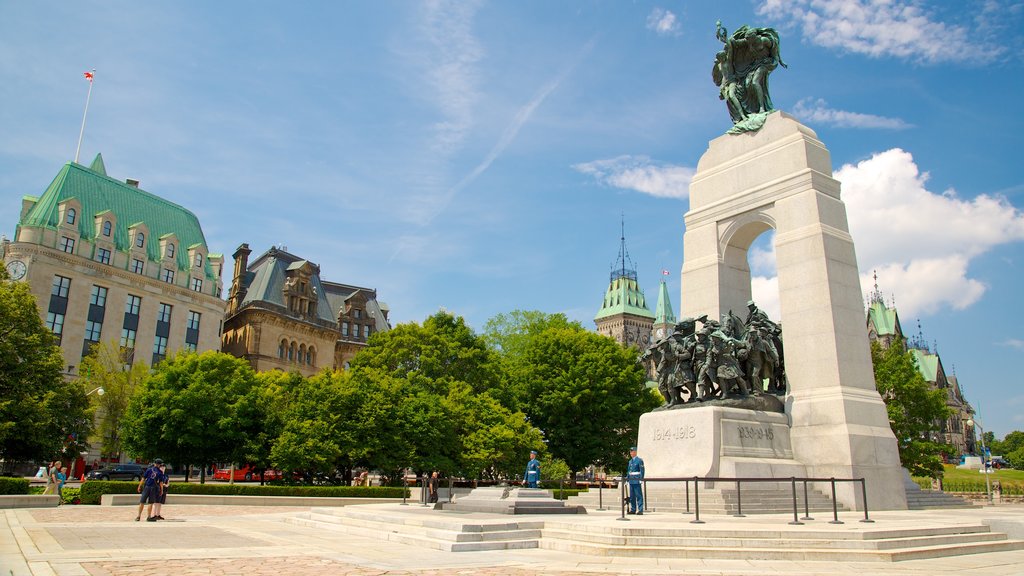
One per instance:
(79, 540)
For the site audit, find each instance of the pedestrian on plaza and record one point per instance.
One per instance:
(635, 474)
(164, 483)
(532, 475)
(51, 471)
(58, 479)
(432, 487)
(149, 490)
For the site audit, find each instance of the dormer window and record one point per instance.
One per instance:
(107, 228)
(140, 240)
(170, 250)
(71, 215)
(199, 260)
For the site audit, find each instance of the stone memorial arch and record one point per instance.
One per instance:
(780, 177)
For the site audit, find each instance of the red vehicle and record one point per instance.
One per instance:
(246, 474)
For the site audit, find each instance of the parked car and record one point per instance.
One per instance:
(117, 472)
(246, 473)
(999, 462)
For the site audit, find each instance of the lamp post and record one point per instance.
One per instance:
(98, 390)
(984, 464)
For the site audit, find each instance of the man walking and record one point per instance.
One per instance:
(532, 475)
(432, 488)
(635, 474)
(149, 490)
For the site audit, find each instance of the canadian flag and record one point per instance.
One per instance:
(88, 76)
(664, 272)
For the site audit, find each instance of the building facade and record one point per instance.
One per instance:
(884, 327)
(108, 261)
(283, 315)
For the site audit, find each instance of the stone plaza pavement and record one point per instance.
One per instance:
(78, 540)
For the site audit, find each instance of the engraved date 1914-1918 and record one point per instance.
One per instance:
(756, 433)
(675, 433)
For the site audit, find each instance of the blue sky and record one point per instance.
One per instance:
(478, 156)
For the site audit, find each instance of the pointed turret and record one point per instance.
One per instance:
(98, 166)
(664, 318)
(624, 314)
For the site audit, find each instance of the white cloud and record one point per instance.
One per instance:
(639, 173)
(879, 28)
(765, 291)
(921, 242)
(817, 112)
(1014, 343)
(663, 22)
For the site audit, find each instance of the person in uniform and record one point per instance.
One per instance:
(635, 476)
(532, 475)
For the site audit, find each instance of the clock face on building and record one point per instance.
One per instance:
(661, 332)
(16, 268)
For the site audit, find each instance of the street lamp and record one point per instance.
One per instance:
(984, 465)
(98, 390)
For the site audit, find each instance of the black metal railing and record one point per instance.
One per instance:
(696, 480)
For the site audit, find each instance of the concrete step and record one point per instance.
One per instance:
(449, 534)
(727, 541)
(737, 553)
(873, 544)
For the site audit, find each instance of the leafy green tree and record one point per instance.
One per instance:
(262, 410)
(915, 409)
(104, 368)
(586, 393)
(187, 411)
(510, 335)
(429, 403)
(42, 416)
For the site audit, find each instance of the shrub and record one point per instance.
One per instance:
(94, 489)
(13, 485)
(70, 496)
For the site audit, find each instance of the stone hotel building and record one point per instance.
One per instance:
(108, 261)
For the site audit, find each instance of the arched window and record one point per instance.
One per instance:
(280, 350)
(106, 227)
(140, 240)
(291, 352)
(302, 354)
(71, 216)
(199, 260)
(170, 250)
(309, 356)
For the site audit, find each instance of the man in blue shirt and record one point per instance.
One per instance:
(149, 488)
(635, 476)
(532, 475)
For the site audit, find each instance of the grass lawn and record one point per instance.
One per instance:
(957, 480)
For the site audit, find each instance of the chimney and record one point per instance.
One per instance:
(132, 182)
(238, 289)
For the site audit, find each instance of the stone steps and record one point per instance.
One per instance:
(927, 500)
(722, 501)
(823, 545)
(453, 535)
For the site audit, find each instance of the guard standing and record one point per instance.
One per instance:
(532, 475)
(635, 473)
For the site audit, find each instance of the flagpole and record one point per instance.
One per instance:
(88, 96)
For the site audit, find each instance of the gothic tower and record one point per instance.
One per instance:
(624, 315)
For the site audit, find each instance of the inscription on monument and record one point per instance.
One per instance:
(757, 440)
(685, 432)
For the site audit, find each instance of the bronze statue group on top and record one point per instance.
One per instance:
(741, 72)
(727, 359)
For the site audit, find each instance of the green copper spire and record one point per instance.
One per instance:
(98, 166)
(624, 295)
(663, 312)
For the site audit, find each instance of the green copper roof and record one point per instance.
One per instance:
(624, 296)
(927, 364)
(663, 311)
(884, 319)
(97, 193)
